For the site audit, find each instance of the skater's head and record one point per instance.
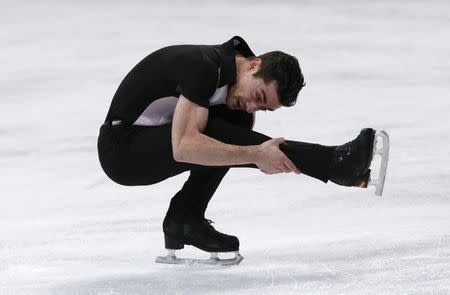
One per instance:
(266, 82)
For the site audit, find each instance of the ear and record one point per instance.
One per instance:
(255, 64)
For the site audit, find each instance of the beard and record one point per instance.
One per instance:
(233, 102)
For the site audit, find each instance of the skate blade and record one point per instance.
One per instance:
(381, 148)
(171, 258)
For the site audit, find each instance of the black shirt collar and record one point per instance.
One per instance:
(229, 49)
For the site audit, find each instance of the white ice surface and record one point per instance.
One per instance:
(65, 228)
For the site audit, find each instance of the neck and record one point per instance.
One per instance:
(241, 63)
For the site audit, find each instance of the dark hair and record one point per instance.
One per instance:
(283, 68)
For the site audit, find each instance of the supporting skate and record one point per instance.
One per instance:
(200, 234)
(381, 148)
(171, 258)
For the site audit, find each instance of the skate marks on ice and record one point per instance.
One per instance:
(385, 266)
(345, 267)
(198, 279)
(13, 143)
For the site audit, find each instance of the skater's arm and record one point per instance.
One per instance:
(190, 145)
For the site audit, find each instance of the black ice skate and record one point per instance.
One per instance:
(351, 161)
(200, 234)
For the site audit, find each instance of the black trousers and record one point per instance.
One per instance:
(142, 155)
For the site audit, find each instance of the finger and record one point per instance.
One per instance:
(280, 140)
(285, 168)
(292, 166)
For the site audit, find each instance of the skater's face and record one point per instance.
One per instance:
(252, 94)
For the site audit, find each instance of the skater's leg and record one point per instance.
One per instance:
(311, 159)
(137, 155)
(193, 198)
(185, 221)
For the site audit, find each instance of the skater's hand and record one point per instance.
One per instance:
(271, 160)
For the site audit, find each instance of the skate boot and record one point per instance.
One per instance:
(351, 161)
(200, 234)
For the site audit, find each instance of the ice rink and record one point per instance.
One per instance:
(65, 228)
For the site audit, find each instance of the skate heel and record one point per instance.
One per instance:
(364, 180)
(172, 243)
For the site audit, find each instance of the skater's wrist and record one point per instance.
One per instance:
(254, 153)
